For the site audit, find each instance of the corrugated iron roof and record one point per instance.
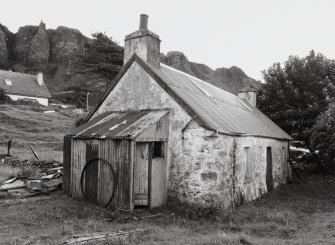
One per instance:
(23, 84)
(222, 111)
(118, 125)
(211, 106)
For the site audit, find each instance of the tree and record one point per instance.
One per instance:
(101, 57)
(294, 95)
(323, 136)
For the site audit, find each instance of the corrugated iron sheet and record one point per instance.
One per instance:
(221, 110)
(118, 125)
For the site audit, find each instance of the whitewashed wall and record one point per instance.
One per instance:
(42, 101)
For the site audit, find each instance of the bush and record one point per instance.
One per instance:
(323, 137)
(4, 98)
(80, 121)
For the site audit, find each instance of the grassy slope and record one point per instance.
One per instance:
(27, 125)
(293, 214)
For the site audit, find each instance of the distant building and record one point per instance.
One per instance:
(160, 133)
(24, 86)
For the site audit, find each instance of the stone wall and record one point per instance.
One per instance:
(206, 168)
(214, 167)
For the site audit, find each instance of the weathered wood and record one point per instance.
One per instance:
(67, 164)
(14, 185)
(34, 153)
(52, 183)
(156, 132)
(96, 237)
(91, 172)
(141, 174)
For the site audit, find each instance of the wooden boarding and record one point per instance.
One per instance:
(141, 187)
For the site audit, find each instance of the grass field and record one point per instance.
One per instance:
(300, 213)
(297, 213)
(28, 125)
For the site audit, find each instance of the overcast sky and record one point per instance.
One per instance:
(249, 34)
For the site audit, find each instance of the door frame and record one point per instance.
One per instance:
(269, 169)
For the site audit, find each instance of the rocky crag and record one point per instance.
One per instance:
(231, 79)
(35, 48)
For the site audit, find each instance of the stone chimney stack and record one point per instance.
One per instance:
(40, 78)
(250, 96)
(144, 43)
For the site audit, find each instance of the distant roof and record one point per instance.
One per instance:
(22, 84)
(118, 124)
(211, 106)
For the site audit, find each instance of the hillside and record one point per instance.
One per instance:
(36, 48)
(231, 79)
(29, 125)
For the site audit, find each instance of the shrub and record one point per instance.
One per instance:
(323, 137)
(4, 98)
(80, 121)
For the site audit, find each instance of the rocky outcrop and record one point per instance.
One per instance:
(23, 39)
(34, 45)
(64, 43)
(6, 47)
(230, 79)
(3, 51)
(39, 47)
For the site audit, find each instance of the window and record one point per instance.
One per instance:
(249, 165)
(158, 149)
(8, 82)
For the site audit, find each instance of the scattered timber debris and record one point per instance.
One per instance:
(29, 186)
(118, 236)
(35, 154)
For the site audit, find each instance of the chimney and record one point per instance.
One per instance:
(144, 43)
(144, 22)
(40, 78)
(250, 96)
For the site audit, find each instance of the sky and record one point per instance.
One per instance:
(219, 33)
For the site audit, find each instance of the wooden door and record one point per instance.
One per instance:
(141, 175)
(269, 174)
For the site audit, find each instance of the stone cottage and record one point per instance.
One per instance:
(218, 149)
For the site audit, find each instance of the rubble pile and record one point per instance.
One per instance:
(31, 184)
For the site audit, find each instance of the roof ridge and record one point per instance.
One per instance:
(193, 77)
(15, 72)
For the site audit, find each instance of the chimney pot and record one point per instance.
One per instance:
(250, 96)
(40, 78)
(144, 22)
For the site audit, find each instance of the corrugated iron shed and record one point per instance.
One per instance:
(118, 125)
(23, 84)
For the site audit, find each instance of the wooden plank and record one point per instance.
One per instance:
(150, 154)
(126, 175)
(141, 170)
(91, 171)
(106, 180)
(77, 164)
(67, 148)
(131, 174)
(156, 132)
